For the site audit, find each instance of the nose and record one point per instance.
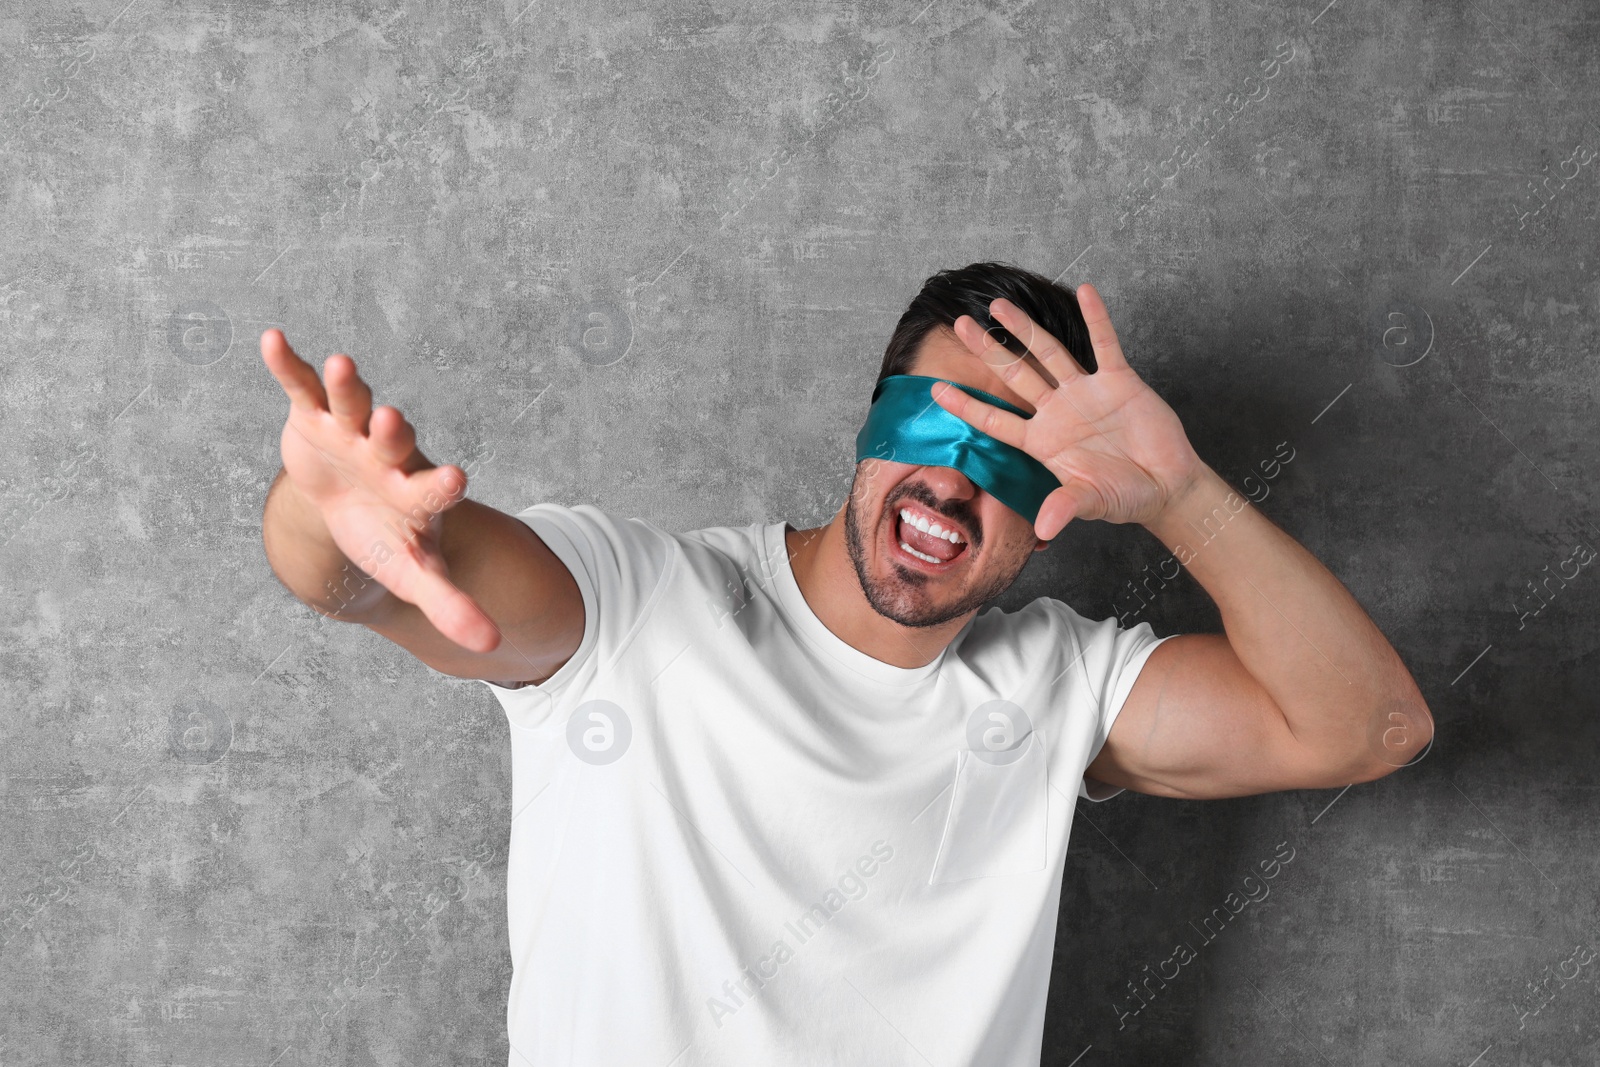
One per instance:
(947, 483)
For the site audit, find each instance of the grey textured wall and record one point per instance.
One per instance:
(638, 255)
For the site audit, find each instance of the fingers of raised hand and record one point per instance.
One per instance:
(339, 391)
(420, 578)
(1001, 425)
(421, 496)
(1007, 366)
(441, 487)
(1049, 351)
(349, 398)
(1074, 500)
(1107, 350)
(297, 377)
(391, 436)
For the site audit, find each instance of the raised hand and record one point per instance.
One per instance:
(1117, 448)
(383, 501)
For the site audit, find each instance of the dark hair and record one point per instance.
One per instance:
(949, 294)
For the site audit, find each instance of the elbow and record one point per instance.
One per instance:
(1400, 734)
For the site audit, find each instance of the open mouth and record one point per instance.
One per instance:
(919, 538)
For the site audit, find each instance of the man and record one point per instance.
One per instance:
(785, 796)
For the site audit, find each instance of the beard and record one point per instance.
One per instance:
(904, 596)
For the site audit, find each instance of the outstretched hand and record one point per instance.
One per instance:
(1117, 448)
(383, 501)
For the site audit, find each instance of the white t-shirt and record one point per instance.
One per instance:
(736, 840)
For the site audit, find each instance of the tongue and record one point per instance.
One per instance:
(927, 543)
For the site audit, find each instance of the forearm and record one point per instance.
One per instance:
(307, 561)
(1299, 632)
(495, 559)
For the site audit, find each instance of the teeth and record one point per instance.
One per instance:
(933, 528)
(920, 555)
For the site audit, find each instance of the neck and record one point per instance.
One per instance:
(820, 560)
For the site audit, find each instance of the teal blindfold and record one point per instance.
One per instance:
(906, 425)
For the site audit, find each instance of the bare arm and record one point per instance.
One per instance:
(1303, 691)
(362, 527)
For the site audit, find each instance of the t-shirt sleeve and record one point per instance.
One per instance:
(620, 567)
(1111, 657)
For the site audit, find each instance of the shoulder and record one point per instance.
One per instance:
(1015, 639)
(1046, 628)
(591, 522)
(736, 542)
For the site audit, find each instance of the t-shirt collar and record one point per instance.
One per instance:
(793, 604)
